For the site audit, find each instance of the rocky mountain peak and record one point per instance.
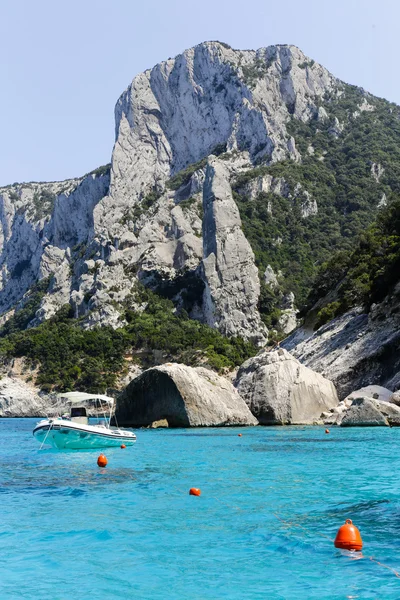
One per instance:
(179, 111)
(165, 214)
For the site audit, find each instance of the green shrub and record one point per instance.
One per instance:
(183, 177)
(327, 314)
(100, 171)
(367, 273)
(70, 357)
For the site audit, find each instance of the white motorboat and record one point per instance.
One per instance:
(74, 431)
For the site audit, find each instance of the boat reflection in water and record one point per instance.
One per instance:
(74, 431)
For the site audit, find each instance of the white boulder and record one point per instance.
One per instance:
(279, 390)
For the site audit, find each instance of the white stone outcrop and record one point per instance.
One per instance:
(280, 187)
(182, 396)
(18, 399)
(288, 318)
(377, 171)
(361, 405)
(270, 278)
(279, 390)
(355, 350)
(374, 392)
(232, 286)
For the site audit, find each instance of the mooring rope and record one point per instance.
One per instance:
(290, 524)
(45, 438)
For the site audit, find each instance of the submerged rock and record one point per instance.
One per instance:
(184, 397)
(279, 390)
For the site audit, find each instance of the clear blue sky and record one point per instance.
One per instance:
(65, 62)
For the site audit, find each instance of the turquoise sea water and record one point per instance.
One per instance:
(71, 530)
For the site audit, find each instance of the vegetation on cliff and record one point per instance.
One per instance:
(69, 357)
(367, 273)
(350, 164)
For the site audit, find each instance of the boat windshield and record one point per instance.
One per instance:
(78, 411)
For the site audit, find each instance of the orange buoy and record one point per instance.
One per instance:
(123, 446)
(239, 435)
(327, 431)
(194, 492)
(102, 461)
(348, 537)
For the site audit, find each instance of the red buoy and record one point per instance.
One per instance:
(102, 461)
(239, 435)
(327, 431)
(123, 446)
(194, 492)
(348, 537)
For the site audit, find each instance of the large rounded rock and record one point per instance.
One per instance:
(184, 396)
(364, 412)
(279, 390)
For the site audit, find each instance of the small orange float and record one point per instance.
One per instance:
(348, 537)
(239, 435)
(327, 431)
(123, 446)
(102, 461)
(194, 492)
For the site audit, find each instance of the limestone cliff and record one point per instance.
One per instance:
(142, 217)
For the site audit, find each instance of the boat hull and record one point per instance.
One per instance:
(65, 435)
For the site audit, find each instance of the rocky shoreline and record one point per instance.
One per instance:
(272, 388)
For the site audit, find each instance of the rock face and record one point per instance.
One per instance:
(96, 235)
(288, 319)
(279, 390)
(40, 224)
(363, 413)
(355, 350)
(17, 399)
(232, 286)
(215, 95)
(184, 397)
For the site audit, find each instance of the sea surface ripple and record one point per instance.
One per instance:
(271, 503)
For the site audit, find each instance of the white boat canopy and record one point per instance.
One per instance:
(75, 397)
